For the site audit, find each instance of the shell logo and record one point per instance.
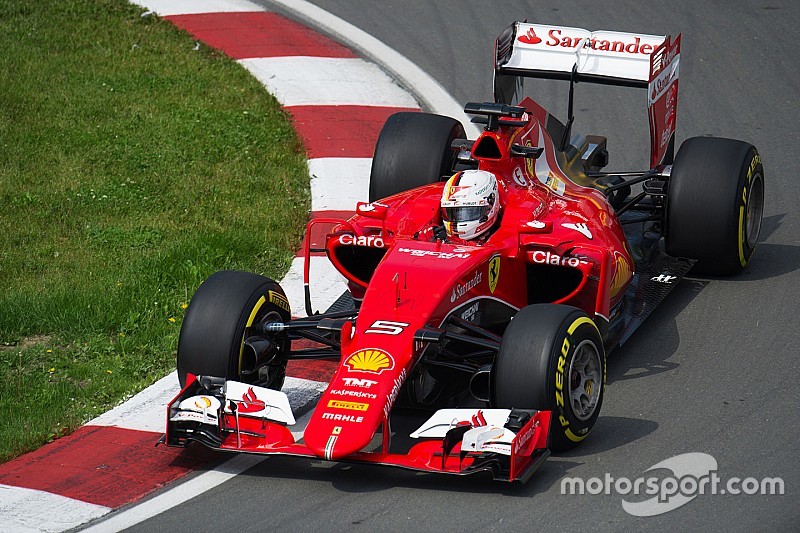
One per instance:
(208, 405)
(622, 273)
(202, 402)
(370, 360)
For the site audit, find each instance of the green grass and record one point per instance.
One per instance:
(132, 166)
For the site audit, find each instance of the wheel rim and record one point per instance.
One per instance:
(585, 380)
(270, 316)
(755, 208)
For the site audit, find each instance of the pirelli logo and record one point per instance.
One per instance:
(350, 406)
(280, 300)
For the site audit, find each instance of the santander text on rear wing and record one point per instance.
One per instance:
(614, 58)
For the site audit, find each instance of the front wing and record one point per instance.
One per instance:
(465, 445)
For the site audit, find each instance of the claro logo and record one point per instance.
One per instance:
(547, 258)
(369, 241)
(556, 38)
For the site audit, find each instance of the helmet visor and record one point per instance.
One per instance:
(465, 214)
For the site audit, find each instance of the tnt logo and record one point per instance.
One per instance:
(359, 383)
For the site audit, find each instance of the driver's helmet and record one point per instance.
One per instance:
(469, 203)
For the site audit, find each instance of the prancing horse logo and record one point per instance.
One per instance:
(494, 272)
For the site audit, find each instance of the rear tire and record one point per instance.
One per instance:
(551, 358)
(715, 204)
(213, 330)
(413, 149)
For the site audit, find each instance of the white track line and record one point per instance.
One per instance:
(303, 80)
(166, 8)
(146, 410)
(337, 183)
(328, 285)
(184, 491)
(180, 493)
(428, 90)
(52, 512)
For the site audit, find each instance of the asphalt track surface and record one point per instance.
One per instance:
(714, 370)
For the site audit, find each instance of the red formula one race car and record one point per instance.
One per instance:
(488, 278)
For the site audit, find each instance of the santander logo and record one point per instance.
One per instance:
(251, 403)
(564, 39)
(530, 37)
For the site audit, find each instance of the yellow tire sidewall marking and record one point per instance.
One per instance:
(249, 323)
(570, 331)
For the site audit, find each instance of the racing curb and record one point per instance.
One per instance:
(338, 103)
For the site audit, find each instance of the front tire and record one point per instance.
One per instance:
(715, 204)
(212, 336)
(551, 358)
(413, 149)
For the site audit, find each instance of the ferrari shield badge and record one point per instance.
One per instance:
(494, 272)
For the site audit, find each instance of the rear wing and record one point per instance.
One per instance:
(526, 50)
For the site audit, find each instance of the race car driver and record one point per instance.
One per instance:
(470, 205)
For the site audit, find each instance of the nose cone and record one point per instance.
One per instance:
(339, 444)
(340, 428)
(355, 405)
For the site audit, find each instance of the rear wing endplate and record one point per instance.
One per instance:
(526, 50)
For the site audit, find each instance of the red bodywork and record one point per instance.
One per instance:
(417, 281)
(408, 281)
